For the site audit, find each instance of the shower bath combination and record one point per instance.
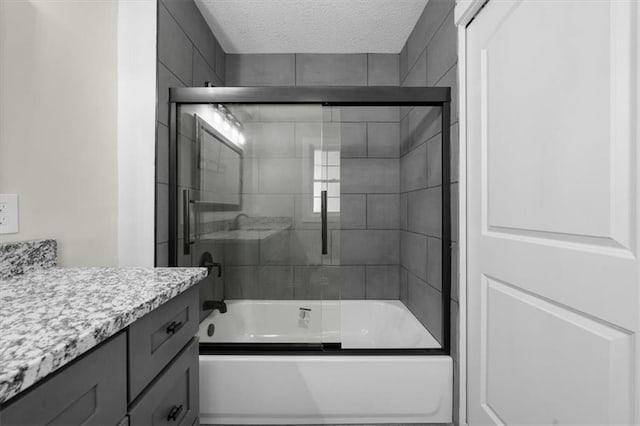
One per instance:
(301, 202)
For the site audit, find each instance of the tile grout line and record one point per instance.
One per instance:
(193, 44)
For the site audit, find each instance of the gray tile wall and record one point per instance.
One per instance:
(303, 69)
(188, 55)
(428, 58)
(369, 239)
(397, 148)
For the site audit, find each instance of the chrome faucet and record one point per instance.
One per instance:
(236, 221)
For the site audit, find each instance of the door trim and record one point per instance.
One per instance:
(465, 11)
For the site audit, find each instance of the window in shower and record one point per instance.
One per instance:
(326, 174)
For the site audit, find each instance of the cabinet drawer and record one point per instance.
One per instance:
(89, 391)
(156, 338)
(172, 398)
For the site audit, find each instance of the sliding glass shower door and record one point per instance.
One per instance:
(259, 198)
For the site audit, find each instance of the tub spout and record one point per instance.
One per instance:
(215, 304)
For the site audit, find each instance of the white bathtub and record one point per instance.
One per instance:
(307, 389)
(357, 324)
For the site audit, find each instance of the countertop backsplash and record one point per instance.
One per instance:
(17, 258)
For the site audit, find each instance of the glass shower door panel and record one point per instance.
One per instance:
(248, 178)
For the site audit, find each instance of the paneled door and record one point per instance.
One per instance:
(553, 271)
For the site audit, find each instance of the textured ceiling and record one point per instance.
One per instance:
(311, 26)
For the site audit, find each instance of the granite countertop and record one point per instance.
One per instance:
(50, 316)
(253, 229)
(245, 234)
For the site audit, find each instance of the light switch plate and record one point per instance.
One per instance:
(8, 213)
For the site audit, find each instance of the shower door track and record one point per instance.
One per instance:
(326, 96)
(328, 349)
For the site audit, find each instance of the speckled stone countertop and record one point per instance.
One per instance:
(51, 316)
(253, 229)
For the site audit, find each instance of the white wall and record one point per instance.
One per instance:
(58, 124)
(136, 131)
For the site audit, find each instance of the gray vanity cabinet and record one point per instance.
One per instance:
(145, 375)
(156, 338)
(172, 399)
(91, 391)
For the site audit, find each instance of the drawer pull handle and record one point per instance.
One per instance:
(174, 413)
(174, 326)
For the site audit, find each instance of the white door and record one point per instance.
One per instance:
(553, 230)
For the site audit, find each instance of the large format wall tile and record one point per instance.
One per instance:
(417, 75)
(281, 176)
(274, 205)
(221, 61)
(429, 22)
(413, 253)
(450, 79)
(270, 140)
(275, 250)
(162, 154)
(202, 71)
(162, 213)
(404, 285)
(353, 282)
(383, 140)
(166, 79)
(352, 139)
(383, 211)
(369, 247)
(353, 211)
(434, 161)
(331, 70)
(454, 154)
(174, 47)
(370, 176)
(366, 114)
(242, 253)
(413, 169)
(442, 51)
(305, 247)
(424, 123)
(192, 22)
(261, 70)
(259, 282)
(383, 69)
(434, 262)
(382, 282)
(317, 282)
(426, 304)
(424, 209)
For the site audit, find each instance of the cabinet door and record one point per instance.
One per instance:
(172, 398)
(156, 338)
(90, 391)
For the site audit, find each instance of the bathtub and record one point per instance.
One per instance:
(316, 389)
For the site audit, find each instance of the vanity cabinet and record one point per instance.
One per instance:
(156, 339)
(147, 374)
(172, 399)
(90, 391)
